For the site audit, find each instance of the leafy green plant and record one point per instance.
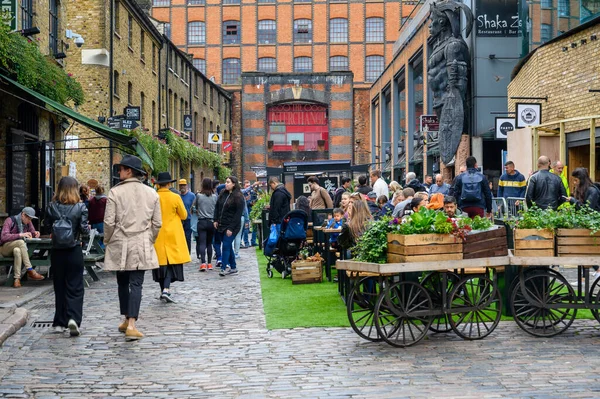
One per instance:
(261, 203)
(534, 218)
(372, 245)
(564, 218)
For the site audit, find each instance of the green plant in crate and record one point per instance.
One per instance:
(261, 203)
(372, 245)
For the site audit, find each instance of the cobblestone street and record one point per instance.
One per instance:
(213, 343)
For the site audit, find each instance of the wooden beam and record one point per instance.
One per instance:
(563, 144)
(592, 168)
(536, 149)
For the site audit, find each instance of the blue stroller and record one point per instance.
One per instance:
(292, 236)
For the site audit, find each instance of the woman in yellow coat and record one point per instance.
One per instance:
(171, 246)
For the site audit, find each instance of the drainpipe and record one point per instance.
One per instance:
(110, 81)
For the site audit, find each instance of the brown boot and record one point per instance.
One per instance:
(123, 326)
(17, 283)
(32, 274)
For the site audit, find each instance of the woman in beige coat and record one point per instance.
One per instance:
(171, 245)
(131, 224)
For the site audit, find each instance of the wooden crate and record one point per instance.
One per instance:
(577, 242)
(534, 242)
(423, 247)
(305, 272)
(486, 244)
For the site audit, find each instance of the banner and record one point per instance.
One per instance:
(497, 18)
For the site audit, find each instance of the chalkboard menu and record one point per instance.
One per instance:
(17, 175)
(497, 18)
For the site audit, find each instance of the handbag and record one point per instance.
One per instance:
(271, 241)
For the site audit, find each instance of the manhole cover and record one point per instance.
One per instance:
(41, 324)
(43, 306)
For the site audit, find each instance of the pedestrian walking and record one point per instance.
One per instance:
(205, 208)
(131, 224)
(188, 199)
(544, 189)
(474, 194)
(84, 195)
(279, 205)
(97, 208)
(171, 243)
(228, 222)
(512, 183)
(68, 218)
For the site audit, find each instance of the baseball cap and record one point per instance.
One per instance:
(182, 181)
(29, 211)
(372, 194)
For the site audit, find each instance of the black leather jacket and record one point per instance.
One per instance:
(77, 213)
(546, 190)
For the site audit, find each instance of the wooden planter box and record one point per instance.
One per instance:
(432, 247)
(305, 272)
(534, 242)
(577, 242)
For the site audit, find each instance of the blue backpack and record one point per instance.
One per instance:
(471, 187)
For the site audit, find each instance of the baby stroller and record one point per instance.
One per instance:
(292, 236)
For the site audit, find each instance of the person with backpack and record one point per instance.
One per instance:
(12, 243)
(473, 190)
(68, 217)
(586, 192)
(345, 184)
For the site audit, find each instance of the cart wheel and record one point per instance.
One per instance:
(475, 308)
(269, 273)
(433, 284)
(361, 306)
(595, 298)
(403, 314)
(552, 312)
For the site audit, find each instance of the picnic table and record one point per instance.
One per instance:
(400, 302)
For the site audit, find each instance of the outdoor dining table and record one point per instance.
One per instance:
(327, 234)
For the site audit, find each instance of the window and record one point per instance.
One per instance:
(231, 32)
(117, 17)
(374, 30)
(175, 111)
(196, 33)
(231, 1)
(26, 14)
(170, 107)
(130, 30)
(161, 3)
(302, 64)
(203, 129)
(204, 91)
(338, 63)
(116, 83)
(153, 57)
(168, 31)
(545, 33)
(266, 1)
(302, 31)
(212, 97)
(200, 65)
(196, 78)
(546, 3)
(218, 104)
(302, 1)
(129, 93)
(182, 109)
(267, 65)
(53, 33)
(231, 71)
(375, 65)
(142, 108)
(196, 2)
(153, 127)
(142, 45)
(267, 31)
(338, 30)
(564, 8)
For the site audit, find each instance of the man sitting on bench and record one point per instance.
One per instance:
(14, 231)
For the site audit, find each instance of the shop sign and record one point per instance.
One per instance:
(497, 18)
(187, 123)
(9, 13)
(227, 146)
(215, 138)
(503, 126)
(430, 123)
(528, 114)
(132, 113)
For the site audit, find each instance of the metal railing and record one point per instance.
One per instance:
(507, 208)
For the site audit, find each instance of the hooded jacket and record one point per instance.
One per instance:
(416, 185)
(279, 205)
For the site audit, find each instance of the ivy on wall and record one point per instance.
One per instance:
(22, 59)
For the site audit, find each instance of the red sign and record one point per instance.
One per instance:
(227, 146)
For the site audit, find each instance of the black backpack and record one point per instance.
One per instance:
(471, 187)
(62, 231)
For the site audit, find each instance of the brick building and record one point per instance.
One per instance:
(295, 43)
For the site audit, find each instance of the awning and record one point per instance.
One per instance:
(121, 139)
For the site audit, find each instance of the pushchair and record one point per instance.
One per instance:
(292, 236)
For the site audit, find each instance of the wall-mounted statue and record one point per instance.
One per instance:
(448, 71)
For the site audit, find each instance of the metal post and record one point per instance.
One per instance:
(592, 168)
(563, 143)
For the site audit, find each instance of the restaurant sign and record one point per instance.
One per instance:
(497, 18)
(9, 13)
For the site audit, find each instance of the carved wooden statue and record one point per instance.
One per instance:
(448, 71)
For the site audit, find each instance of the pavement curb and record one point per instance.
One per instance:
(13, 323)
(28, 297)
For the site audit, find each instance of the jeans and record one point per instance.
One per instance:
(228, 254)
(238, 238)
(130, 292)
(253, 239)
(165, 283)
(187, 229)
(217, 239)
(206, 231)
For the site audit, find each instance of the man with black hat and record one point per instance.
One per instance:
(372, 203)
(14, 231)
(132, 222)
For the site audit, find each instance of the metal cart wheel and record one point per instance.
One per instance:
(403, 314)
(475, 307)
(433, 283)
(545, 309)
(360, 306)
(595, 298)
(518, 300)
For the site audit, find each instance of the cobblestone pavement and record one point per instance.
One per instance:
(213, 343)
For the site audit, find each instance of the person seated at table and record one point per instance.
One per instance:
(450, 207)
(12, 243)
(335, 223)
(303, 204)
(385, 207)
(416, 203)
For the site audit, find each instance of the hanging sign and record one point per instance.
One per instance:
(187, 123)
(227, 146)
(503, 126)
(528, 114)
(132, 113)
(430, 123)
(497, 18)
(9, 13)
(215, 138)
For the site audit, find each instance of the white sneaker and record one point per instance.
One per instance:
(73, 328)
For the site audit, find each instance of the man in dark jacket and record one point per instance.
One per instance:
(344, 186)
(473, 191)
(414, 183)
(545, 189)
(363, 188)
(372, 203)
(512, 183)
(280, 201)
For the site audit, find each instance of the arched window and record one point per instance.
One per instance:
(374, 30)
(374, 66)
(267, 64)
(338, 30)
(231, 71)
(338, 63)
(196, 32)
(302, 64)
(303, 31)
(231, 32)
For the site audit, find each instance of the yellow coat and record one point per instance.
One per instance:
(171, 246)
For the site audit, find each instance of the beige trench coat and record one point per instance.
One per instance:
(131, 224)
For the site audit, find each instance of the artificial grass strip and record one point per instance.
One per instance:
(302, 305)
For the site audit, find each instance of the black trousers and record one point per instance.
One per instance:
(206, 231)
(130, 292)
(67, 268)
